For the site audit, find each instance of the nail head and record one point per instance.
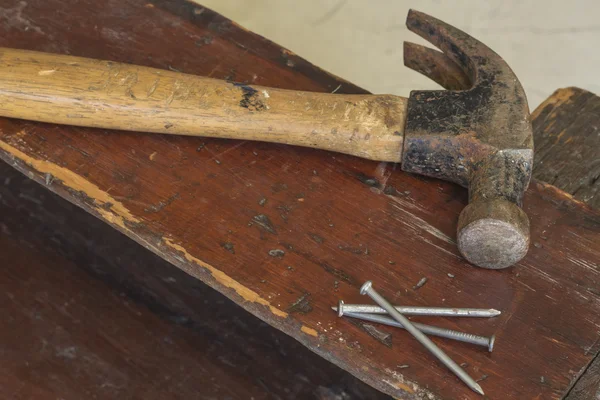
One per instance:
(365, 288)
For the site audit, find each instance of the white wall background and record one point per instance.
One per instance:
(549, 44)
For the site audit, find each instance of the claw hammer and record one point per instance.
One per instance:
(477, 133)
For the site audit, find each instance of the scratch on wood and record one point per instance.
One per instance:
(47, 72)
(541, 273)
(526, 285)
(152, 88)
(162, 204)
(225, 280)
(405, 203)
(301, 305)
(174, 92)
(546, 187)
(421, 224)
(584, 263)
(117, 213)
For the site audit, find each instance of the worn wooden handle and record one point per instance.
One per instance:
(85, 92)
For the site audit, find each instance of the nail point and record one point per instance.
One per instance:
(494, 312)
(365, 288)
(478, 389)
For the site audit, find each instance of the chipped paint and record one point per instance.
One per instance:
(398, 382)
(115, 212)
(227, 281)
(309, 331)
(399, 385)
(118, 214)
(559, 97)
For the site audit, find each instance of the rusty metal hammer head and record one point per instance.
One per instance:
(477, 134)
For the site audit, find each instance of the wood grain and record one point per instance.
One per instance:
(285, 231)
(588, 386)
(567, 143)
(105, 94)
(88, 313)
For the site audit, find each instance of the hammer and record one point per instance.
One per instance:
(477, 133)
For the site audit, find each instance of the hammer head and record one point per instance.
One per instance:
(477, 134)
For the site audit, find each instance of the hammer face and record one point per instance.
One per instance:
(493, 234)
(479, 137)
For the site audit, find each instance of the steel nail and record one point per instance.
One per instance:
(487, 342)
(367, 289)
(409, 310)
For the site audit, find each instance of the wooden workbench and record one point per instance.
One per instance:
(283, 232)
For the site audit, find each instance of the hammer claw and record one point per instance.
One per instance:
(454, 43)
(436, 66)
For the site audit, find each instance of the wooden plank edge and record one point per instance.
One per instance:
(557, 98)
(86, 195)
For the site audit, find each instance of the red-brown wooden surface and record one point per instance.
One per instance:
(87, 313)
(218, 209)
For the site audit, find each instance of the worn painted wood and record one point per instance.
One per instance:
(81, 91)
(567, 153)
(588, 386)
(88, 313)
(567, 143)
(285, 231)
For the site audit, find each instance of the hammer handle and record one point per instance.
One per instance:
(86, 92)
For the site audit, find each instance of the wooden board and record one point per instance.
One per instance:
(567, 154)
(88, 313)
(285, 232)
(567, 143)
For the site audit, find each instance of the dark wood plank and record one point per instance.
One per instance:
(567, 143)
(88, 313)
(567, 147)
(588, 386)
(272, 226)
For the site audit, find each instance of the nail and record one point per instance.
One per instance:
(484, 341)
(367, 289)
(409, 310)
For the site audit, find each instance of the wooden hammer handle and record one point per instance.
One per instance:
(85, 92)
